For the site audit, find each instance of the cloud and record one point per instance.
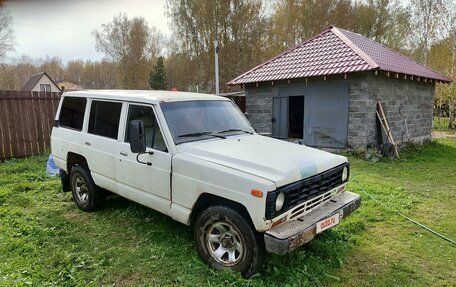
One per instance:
(63, 28)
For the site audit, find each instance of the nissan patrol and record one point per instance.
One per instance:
(196, 158)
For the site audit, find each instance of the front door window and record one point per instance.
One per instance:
(154, 137)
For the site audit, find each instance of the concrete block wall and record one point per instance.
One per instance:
(259, 107)
(405, 101)
(408, 105)
(359, 105)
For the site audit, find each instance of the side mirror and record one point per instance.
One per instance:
(246, 115)
(137, 136)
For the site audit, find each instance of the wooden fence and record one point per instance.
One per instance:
(26, 120)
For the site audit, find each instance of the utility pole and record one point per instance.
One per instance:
(216, 50)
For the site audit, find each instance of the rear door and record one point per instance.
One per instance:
(146, 184)
(67, 133)
(100, 142)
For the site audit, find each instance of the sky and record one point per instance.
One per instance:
(63, 27)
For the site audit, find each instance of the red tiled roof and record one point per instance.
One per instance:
(334, 51)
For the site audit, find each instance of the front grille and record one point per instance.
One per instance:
(312, 188)
(312, 203)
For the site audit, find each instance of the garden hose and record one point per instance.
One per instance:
(404, 216)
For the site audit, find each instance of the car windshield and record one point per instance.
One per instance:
(198, 120)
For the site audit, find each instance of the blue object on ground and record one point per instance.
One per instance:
(51, 168)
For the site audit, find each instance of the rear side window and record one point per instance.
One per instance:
(104, 119)
(72, 113)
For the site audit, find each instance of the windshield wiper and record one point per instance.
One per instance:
(235, 130)
(199, 134)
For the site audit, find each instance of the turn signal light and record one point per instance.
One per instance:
(281, 220)
(256, 193)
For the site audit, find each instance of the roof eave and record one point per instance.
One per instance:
(443, 79)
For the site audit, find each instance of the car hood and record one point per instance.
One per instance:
(276, 160)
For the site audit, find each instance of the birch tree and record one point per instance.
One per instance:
(426, 21)
(238, 25)
(129, 43)
(7, 39)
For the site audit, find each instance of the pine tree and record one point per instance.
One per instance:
(157, 78)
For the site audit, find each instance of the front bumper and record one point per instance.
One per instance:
(292, 234)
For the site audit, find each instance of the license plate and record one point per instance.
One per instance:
(327, 223)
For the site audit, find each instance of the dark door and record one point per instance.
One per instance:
(296, 117)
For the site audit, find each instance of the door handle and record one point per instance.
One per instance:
(87, 143)
(123, 153)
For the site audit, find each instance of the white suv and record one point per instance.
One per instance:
(196, 158)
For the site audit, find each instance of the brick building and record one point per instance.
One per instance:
(324, 92)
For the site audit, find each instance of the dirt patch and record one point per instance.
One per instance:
(443, 135)
(129, 280)
(71, 215)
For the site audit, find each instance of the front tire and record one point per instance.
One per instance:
(86, 194)
(225, 240)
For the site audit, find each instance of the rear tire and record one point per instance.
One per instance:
(87, 195)
(225, 240)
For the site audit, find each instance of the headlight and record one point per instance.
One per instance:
(344, 174)
(280, 201)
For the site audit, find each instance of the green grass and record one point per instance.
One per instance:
(46, 241)
(442, 125)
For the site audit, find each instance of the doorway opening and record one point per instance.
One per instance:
(296, 117)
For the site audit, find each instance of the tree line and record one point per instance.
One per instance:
(249, 32)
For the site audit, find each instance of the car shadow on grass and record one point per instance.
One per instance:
(315, 263)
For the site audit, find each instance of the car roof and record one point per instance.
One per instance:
(147, 96)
